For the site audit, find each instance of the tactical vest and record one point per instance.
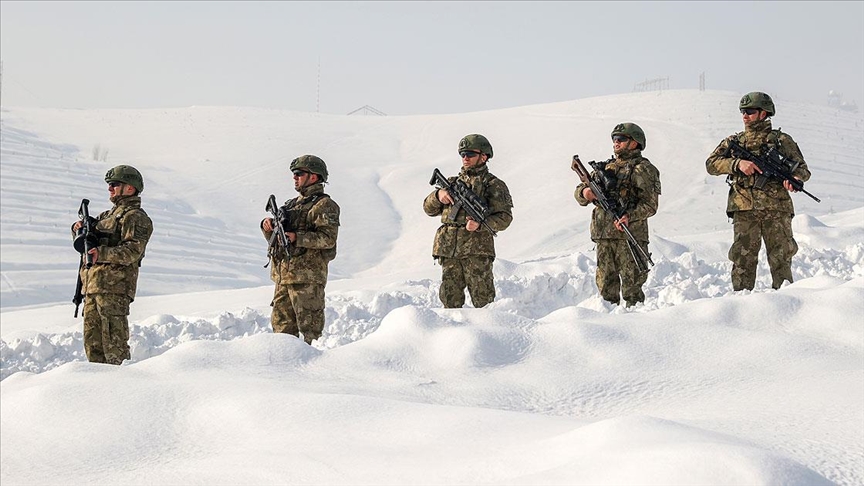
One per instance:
(297, 219)
(772, 140)
(478, 187)
(109, 227)
(623, 175)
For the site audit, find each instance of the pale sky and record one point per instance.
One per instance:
(418, 57)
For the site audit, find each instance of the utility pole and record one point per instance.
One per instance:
(702, 81)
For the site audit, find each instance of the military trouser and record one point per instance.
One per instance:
(750, 228)
(298, 308)
(617, 273)
(475, 272)
(106, 328)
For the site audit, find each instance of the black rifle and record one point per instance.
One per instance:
(86, 238)
(463, 198)
(277, 238)
(601, 185)
(773, 165)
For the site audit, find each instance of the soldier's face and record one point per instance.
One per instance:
(119, 189)
(472, 158)
(303, 179)
(753, 115)
(621, 143)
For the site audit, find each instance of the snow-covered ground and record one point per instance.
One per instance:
(548, 385)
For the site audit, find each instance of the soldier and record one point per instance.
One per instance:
(110, 284)
(637, 188)
(311, 226)
(463, 247)
(756, 213)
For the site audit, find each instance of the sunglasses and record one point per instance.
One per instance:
(299, 173)
(468, 154)
(114, 184)
(750, 111)
(620, 138)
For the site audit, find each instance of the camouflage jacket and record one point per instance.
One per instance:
(452, 239)
(638, 190)
(314, 217)
(123, 231)
(743, 196)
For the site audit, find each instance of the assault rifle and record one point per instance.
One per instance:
(773, 165)
(602, 186)
(86, 238)
(278, 240)
(463, 198)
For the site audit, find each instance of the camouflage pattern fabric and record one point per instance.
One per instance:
(466, 257)
(475, 273)
(638, 190)
(298, 301)
(750, 228)
(452, 239)
(743, 196)
(617, 274)
(124, 231)
(759, 213)
(315, 218)
(111, 283)
(106, 328)
(298, 308)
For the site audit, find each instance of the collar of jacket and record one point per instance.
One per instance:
(763, 126)
(475, 171)
(311, 190)
(628, 155)
(127, 201)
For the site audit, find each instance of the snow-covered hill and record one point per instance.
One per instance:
(548, 385)
(209, 171)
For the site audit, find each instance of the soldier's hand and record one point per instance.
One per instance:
(789, 187)
(444, 197)
(624, 221)
(292, 237)
(747, 167)
(588, 194)
(471, 225)
(267, 224)
(95, 253)
(77, 225)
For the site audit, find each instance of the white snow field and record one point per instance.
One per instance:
(547, 385)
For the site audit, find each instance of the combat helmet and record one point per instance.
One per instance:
(631, 130)
(310, 163)
(757, 99)
(127, 175)
(476, 142)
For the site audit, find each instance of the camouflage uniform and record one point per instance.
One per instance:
(298, 300)
(466, 256)
(759, 214)
(110, 284)
(638, 183)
